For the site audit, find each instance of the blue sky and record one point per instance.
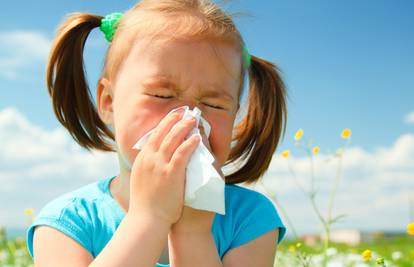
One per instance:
(345, 64)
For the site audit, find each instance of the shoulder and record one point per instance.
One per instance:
(79, 202)
(237, 193)
(71, 213)
(244, 200)
(253, 214)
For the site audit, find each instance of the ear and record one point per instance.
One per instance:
(105, 100)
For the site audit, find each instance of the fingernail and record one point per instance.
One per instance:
(180, 110)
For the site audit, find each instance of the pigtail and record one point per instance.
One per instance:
(67, 86)
(258, 134)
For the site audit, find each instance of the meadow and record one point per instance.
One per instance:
(398, 251)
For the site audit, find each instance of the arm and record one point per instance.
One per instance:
(260, 252)
(186, 250)
(137, 242)
(190, 249)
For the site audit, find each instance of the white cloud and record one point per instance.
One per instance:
(409, 118)
(373, 186)
(37, 165)
(21, 49)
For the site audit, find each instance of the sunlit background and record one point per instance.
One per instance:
(346, 64)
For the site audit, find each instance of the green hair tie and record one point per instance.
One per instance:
(109, 25)
(247, 58)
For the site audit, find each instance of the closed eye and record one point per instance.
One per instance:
(216, 107)
(161, 96)
(168, 97)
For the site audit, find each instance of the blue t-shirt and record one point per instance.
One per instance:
(90, 216)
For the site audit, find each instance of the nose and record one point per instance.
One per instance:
(191, 103)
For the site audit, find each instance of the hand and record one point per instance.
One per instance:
(158, 172)
(193, 220)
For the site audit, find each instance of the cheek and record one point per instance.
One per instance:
(132, 121)
(220, 137)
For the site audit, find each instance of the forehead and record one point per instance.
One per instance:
(191, 62)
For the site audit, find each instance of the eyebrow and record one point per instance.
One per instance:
(213, 90)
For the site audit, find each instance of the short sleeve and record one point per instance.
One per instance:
(259, 218)
(69, 217)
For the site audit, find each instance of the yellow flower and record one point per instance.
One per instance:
(285, 153)
(292, 248)
(28, 211)
(315, 150)
(298, 245)
(298, 134)
(366, 255)
(410, 228)
(346, 133)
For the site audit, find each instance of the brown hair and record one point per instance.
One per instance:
(256, 136)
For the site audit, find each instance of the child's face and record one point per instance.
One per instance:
(201, 77)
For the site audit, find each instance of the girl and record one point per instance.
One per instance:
(163, 54)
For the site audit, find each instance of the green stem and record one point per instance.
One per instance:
(335, 188)
(311, 196)
(283, 211)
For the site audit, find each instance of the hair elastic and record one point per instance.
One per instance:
(109, 25)
(247, 58)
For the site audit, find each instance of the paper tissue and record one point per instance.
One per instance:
(204, 187)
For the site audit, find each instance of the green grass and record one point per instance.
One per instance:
(381, 247)
(13, 252)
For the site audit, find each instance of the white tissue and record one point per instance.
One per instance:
(204, 188)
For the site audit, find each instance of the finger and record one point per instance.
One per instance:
(163, 128)
(175, 137)
(182, 154)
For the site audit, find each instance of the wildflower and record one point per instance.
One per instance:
(396, 255)
(28, 211)
(292, 248)
(298, 134)
(298, 245)
(285, 153)
(346, 133)
(380, 261)
(366, 255)
(315, 150)
(410, 228)
(331, 252)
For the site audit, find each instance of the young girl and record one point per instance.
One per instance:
(163, 54)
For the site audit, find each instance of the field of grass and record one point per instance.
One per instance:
(13, 251)
(398, 251)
